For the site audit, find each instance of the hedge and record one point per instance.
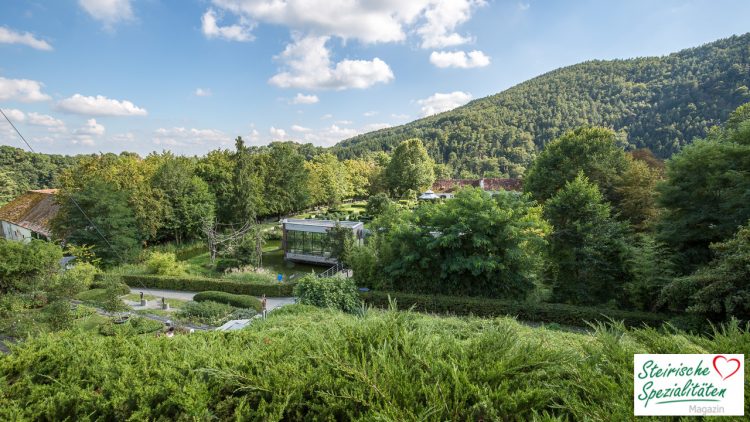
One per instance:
(196, 284)
(239, 301)
(532, 312)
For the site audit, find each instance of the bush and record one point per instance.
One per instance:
(534, 312)
(224, 264)
(208, 312)
(164, 263)
(274, 234)
(334, 292)
(135, 325)
(239, 301)
(75, 280)
(23, 264)
(203, 284)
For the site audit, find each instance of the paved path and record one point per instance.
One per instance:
(272, 302)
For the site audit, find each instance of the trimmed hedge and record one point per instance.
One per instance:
(196, 284)
(239, 301)
(533, 312)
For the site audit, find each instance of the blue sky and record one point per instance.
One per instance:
(81, 76)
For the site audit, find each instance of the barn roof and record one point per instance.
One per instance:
(32, 210)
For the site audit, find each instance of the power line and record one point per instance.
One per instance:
(19, 133)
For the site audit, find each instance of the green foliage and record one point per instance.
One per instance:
(134, 326)
(59, 315)
(334, 292)
(108, 209)
(164, 263)
(593, 151)
(31, 170)
(721, 290)
(589, 250)
(378, 204)
(661, 102)
(571, 315)
(339, 241)
(217, 170)
(72, 281)
(267, 287)
(206, 312)
(239, 301)
(473, 244)
(9, 188)
(306, 363)
(410, 169)
(652, 268)
(636, 194)
(328, 180)
(706, 194)
(25, 266)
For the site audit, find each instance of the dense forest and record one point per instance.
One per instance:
(660, 103)
(21, 170)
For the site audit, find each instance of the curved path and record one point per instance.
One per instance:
(272, 302)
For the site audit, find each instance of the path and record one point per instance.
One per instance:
(272, 302)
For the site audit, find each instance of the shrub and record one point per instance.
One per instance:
(203, 284)
(239, 301)
(75, 280)
(208, 312)
(274, 234)
(135, 325)
(224, 264)
(23, 264)
(334, 292)
(164, 263)
(534, 312)
(59, 314)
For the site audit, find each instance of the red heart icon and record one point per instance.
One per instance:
(726, 362)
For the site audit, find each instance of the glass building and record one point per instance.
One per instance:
(307, 240)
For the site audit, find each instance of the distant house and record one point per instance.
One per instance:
(28, 216)
(307, 240)
(446, 188)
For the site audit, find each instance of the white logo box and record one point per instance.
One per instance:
(689, 385)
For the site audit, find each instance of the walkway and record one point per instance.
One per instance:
(272, 302)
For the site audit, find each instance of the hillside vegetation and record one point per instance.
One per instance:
(311, 364)
(660, 103)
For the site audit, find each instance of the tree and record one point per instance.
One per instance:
(588, 248)
(721, 290)
(26, 266)
(328, 180)
(410, 168)
(591, 150)
(248, 184)
(217, 170)
(473, 245)
(706, 194)
(636, 190)
(360, 176)
(378, 204)
(108, 210)
(9, 189)
(285, 184)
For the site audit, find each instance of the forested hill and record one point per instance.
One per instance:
(661, 103)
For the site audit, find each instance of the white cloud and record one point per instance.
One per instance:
(23, 90)
(180, 136)
(308, 65)
(211, 28)
(99, 106)
(524, 6)
(200, 92)
(344, 122)
(9, 36)
(92, 128)
(459, 59)
(15, 115)
(442, 18)
(305, 99)
(326, 116)
(277, 133)
(301, 129)
(52, 124)
(439, 102)
(108, 12)
(369, 113)
(330, 135)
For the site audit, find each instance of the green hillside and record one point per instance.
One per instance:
(660, 103)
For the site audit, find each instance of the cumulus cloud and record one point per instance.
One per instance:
(305, 99)
(237, 32)
(307, 64)
(369, 113)
(440, 102)
(277, 133)
(23, 90)
(441, 20)
(99, 106)
(15, 115)
(180, 136)
(200, 92)
(92, 128)
(52, 124)
(9, 36)
(301, 129)
(109, 12)
(459, 59)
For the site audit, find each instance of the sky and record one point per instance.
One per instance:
(87, 76)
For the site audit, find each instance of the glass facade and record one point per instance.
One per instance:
(307, 243)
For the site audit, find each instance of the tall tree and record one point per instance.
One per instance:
(217, 169)
(588, 248)
(411, 169)
(706, 194)
(248, 181)
(285, 184)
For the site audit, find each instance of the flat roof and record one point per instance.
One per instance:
(322, 223)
